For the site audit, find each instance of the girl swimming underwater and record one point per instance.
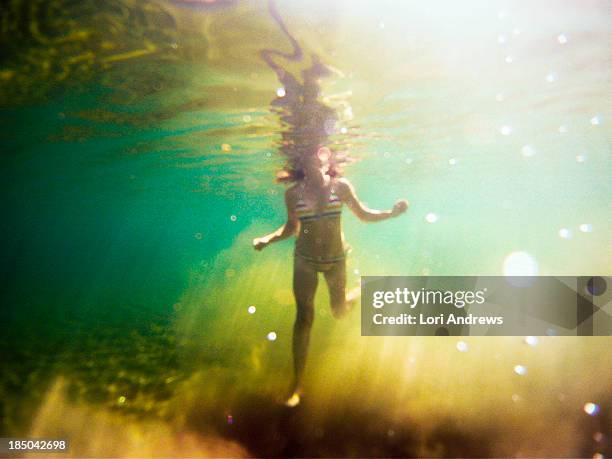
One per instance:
(315, 196)
(314, 202)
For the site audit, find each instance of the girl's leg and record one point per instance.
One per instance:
(305, 279)
(340, 301)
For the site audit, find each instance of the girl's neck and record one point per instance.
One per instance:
(318, 181)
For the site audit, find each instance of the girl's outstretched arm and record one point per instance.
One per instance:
(287, 230)
(348, 196)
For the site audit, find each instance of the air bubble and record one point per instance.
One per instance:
(431, 218)
(528, 151)
(591, 408)
(520, 370)
(520, 264)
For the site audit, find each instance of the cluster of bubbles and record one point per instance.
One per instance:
(551, 77)
(520, 263)
(507, 130)
(566, 233)
(532, 341)
(271, 336)
(591, 408)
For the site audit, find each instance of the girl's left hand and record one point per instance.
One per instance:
(400, 207)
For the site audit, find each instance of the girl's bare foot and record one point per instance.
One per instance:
(353, 297)
(293, 401)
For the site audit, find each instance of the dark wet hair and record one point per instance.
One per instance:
(295, 174)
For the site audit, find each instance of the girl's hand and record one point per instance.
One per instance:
(260, 243)
(400, 207)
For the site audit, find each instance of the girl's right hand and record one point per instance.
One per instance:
(259, 243)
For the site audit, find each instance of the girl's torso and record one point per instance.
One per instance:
(319, 211)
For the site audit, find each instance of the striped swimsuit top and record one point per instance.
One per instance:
(332, 209)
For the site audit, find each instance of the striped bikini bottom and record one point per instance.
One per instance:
(322, 264)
